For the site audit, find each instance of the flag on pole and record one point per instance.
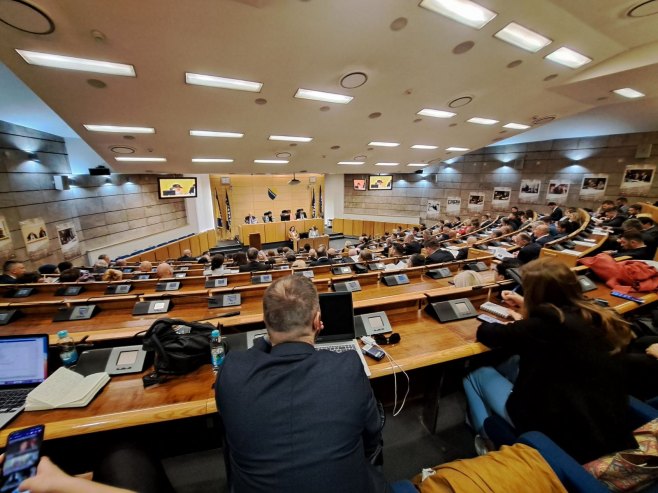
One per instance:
(228, 213)
(271, 193)
(313, 215)
(219, 211)
(320, 202)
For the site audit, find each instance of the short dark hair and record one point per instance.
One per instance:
(9, 264)
(69, 275)
(632, 235)
(252, 254)
(551, 203)
(62, 266)
(631, 223)
(417, 259)
(646, 220)
(637, 207)
(622, 199)
(217, 261)
(431, 243)
(290, 304)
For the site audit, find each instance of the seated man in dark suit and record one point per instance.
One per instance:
(613, 221)
(267, 217)
(322, 257)
(529, 250)
(649, 233)
(556, 212)
(285, 215)
(300, 214)
(252, 262)
(297, 419)
(250, 219)
(541, 232)
(187, 256)
(11, 271)
(434, 255)
(632, 245)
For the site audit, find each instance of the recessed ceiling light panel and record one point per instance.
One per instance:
(223, 82)
(80, 64)
(423, 146)
(212, 133)
(383, 144)
(387, 164)
(290, 138)
(482, 121)
(627, 92)
(211, 160)
(141, 159)
(417, 165)
(522, 37)
(568, 58)
(271, 161)
(457, 149)
(463, 11)
(516, 126)
(119, 129)
(436, 113)
(351, 163)
(328, 97)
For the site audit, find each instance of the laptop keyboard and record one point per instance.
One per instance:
(10, 400)
(337, 348)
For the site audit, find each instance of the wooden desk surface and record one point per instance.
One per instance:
(124, 402)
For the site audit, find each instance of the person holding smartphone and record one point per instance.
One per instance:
(570, 384)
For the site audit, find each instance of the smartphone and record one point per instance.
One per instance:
(21, 457)
(373, 352)
(486, 318)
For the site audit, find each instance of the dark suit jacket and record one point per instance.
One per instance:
(544, 239)
(413, 247)
(557, 214)
(252, 266)
(298, 420)
(614, 223)
(529, 252)
(7, 279)
(300, 215)
(321, 261)
(643, 253)
(439, 257)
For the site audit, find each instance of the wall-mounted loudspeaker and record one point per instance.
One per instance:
(61, 182)
(99, 171)
(643, 151)
(518, 163)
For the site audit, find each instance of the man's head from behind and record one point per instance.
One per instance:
(291, 309)
(631, 240)
(164, 270)
(252, 254)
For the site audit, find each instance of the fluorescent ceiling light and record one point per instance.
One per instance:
(72, 63)
(223, 82)
(419, 165)
(457, 149)
(436, 113)
(463, 11)
(290, 138)
(627, 92)
(210, 133)
(270, 161)
(516, 126)
(328, 97)
(117, 129)
(568, 58)
(351, 163)
(522, 37)
(423, 146)
(387, 164)
(383, 144)
(141, 159)
(482, 121)
(211, 160)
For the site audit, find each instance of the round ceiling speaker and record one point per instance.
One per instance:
(122, 150)
(644, 9)
(353, 80)
(25, 17)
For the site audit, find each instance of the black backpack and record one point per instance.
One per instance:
(179, 346)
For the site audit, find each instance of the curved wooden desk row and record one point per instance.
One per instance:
(425, 342)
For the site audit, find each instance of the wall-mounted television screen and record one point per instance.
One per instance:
(359, 184)
(380, 182)
(171, 188)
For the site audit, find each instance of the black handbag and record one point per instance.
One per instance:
(179, 346)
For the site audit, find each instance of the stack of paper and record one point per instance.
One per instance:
(65, 388)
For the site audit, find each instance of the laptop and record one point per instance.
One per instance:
(338, 334)
(23, 366)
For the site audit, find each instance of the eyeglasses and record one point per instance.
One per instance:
(382, 340)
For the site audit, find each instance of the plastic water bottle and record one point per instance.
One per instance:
(67, 351)
(216, 350)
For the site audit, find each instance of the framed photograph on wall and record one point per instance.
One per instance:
(359, 184)
(380, 182)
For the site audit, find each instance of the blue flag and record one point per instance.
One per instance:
(271, 193)
(228, 213)
(219, 211)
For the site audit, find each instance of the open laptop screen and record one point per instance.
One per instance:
(23, 359)
(337, 315)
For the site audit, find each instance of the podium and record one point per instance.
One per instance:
(254, 240)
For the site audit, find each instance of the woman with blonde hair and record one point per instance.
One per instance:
(569, 384)
(112, 275)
